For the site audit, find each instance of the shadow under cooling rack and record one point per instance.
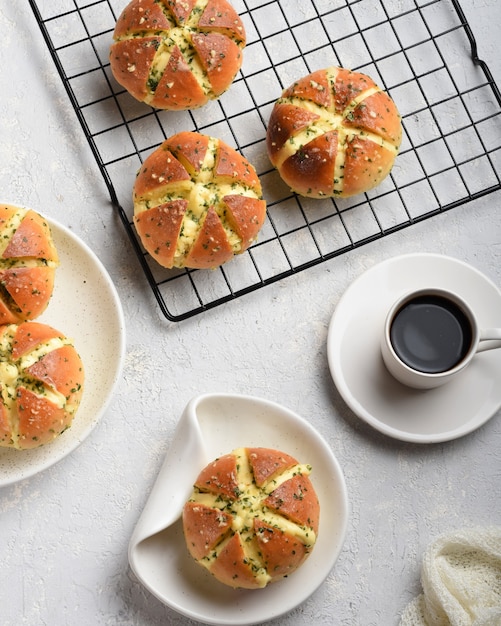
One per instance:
(421, 52)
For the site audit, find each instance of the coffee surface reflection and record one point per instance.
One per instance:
(431, 333)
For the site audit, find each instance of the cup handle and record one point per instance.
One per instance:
(489, 339)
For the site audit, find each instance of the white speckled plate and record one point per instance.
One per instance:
(84, 306)
(356, 365)
(210, 426)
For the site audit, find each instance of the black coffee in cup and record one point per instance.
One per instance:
(431, 333)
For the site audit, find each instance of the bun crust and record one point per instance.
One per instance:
(41, 384)
(197, 202)
(333, 133)
(252, 517)
(28, 262)
(177, 55)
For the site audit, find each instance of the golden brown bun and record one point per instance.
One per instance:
(197, 202)
(41, 384)
(333, 133)
(28, 262)
(252, 517)
(171, 55)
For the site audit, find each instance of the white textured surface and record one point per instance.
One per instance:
(64, 533)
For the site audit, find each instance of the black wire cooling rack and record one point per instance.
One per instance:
(422, 52)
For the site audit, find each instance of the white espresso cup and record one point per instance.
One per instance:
(430, 335)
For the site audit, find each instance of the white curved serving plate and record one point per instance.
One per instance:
(356, 365)
(84, 306)
(210, 426)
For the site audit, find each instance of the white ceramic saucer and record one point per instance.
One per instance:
(356, 365)
(212, 425)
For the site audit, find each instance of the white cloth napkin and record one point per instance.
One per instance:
(461, 579)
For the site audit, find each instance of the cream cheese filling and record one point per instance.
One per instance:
(178, 36)
(327, 121)
(251, 506)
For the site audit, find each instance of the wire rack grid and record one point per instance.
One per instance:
(422, 52)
